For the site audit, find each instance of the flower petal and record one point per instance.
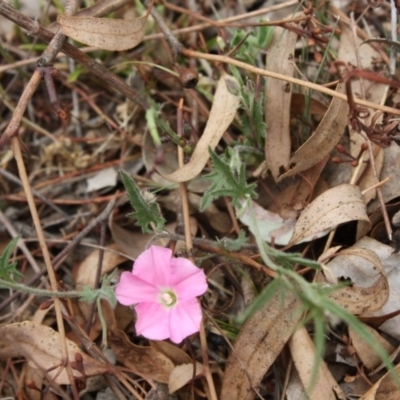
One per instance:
(154, 266)
(132, 290)
(152, 321)
(185, 319)
(187, 280)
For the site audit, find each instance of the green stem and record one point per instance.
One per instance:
(38, 292)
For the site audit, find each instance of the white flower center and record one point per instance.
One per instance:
(168, 298)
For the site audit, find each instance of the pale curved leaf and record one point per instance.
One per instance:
(277, 99)
(223, 111)
(304, 355)
(340, 204)
(323, 140)
(104, 33)
(182, 374)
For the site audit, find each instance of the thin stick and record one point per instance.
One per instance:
(20, 244)
(15, 143)
(35, 29)
(370, 146)
(271, 74)
(183, 189)
(57, 261)
(189, 247)
(224, 21)
(15, 121)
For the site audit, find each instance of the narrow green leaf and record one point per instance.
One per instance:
(9, 272)
(228, 179)
(146, 213)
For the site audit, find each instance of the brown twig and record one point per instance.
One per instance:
(13, 125)
(370, 148)
(46, 256)
(177, 48)
(34, 28)
(189, 247)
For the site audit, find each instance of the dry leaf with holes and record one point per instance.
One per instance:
(40, 345)
(259, 343)
(340, 204)
(304, 356)
(280, 59)
(323, 140)
(104, 33)
(223, 111)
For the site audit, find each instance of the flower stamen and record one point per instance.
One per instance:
(168, 298)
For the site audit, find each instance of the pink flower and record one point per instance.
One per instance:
(164, 290)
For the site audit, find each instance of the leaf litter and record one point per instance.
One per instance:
(267, 184)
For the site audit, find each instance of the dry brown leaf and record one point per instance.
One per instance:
(298, 105)
(85, 272)
(340, 204)
(104, 33)
(131, 243)
(323, 140)
(384, 389)
(364, 350)
(304, 356)
(359, 300)
(146, 362)
(40, 345)
(363, 273)
(223, 111)
(182, 374)
(259, 343)
(174, 353)
(277, 100)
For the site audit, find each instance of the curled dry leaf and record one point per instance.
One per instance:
(340, 204)
(40, 345)
(259, 343)
(323, 140)
(363, 297)
(104, 33)
(223, 111)
(304, 356)
(182, 374)
(144, 361)
(363, 274)
(359, 300)
(277, 98)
